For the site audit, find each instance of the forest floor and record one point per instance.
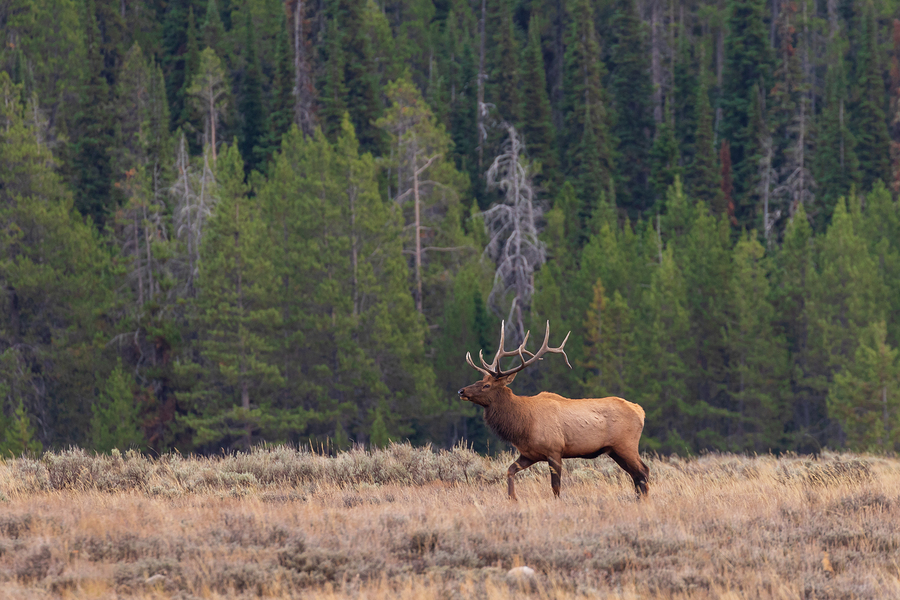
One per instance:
(413, 523)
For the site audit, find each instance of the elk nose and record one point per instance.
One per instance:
(461, 390)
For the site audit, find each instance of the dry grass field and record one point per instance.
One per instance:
(410, 523)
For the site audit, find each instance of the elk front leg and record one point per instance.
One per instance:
(555, 473)
(521, 464)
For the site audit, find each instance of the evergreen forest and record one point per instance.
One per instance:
(226, 223)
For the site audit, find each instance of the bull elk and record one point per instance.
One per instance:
(548, 427)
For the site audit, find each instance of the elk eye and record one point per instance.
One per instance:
(486, 386)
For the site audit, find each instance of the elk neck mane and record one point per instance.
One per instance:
(508, 417)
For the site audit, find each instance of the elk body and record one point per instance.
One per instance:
(548, 427)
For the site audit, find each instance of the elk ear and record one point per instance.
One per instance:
(507, 379)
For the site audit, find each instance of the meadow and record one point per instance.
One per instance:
(408, 522)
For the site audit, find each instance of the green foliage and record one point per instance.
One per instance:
(250, 103)
(704, 179)
(865, 395)
(587, 143)
(114, 424)
(537, 127)
(18, 439)
(277, 298)
(631, 91)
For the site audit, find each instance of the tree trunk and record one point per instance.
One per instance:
(418, 229)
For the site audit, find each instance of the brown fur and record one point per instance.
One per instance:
(548, 427)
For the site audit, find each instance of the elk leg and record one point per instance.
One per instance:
(521, 464)
(555, 473)
(635, 467)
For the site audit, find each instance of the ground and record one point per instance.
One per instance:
(409, 522)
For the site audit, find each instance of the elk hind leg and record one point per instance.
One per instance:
(556, 468)
(521, 464)
(633, 465)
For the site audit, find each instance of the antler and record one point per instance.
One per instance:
(493, 368)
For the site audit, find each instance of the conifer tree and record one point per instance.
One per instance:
(869, 123)
(608, 344)
(865, 395)
(191, 66)
(51, 264)
(748, 62)
(664, 163)
(631, 91)
(661, 383)
(704, 175)
(114, 424)
(251, 103)
(537, 125)
(91, 166)
(505, 89)
(282, 110)
(836, 164)
(229, 404)
(757, 356)
(18, 439)
(587, 141)
(212, 32)
(333, 97)
(209, 95)
(426, 186)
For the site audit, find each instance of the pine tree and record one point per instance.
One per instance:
(18, 439)
(757, 356)
(505, 89)
(748, 62)
(237, 321)
(191, 66)
(631, 91)
(586, 140)
(282, 111)
(93, 132)
(836, 164)
(865, 396)
(114, 424)
(333, 96)
(661, 383)
(209, 95)
(537, 125)
(250, 105)
(608, 345)
(868, 118)
(52, 265)
(212, 32)
(427, 187)
(704, 174)
(664, 161)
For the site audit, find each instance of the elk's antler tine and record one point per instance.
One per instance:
(563, 352)
(495, 366)
(473, 365)
(483, 363)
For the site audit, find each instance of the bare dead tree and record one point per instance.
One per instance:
(797, 183)
(513, 234)
(193, 194)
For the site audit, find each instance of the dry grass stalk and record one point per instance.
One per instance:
(413, 523)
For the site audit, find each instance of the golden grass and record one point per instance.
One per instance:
(411, 523)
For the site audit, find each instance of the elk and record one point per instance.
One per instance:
(548, 427)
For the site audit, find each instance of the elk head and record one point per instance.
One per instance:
(495, 379)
